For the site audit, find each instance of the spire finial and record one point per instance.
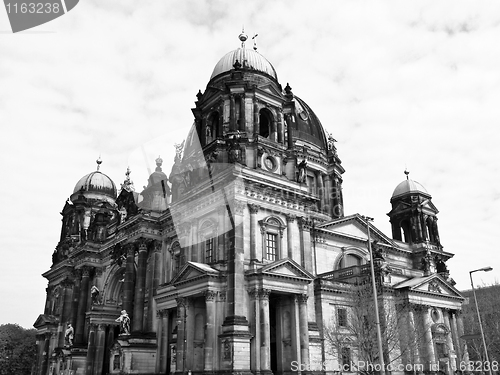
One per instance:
(159, 162)
(127, 185)
(99, 162)
(407, 172)
(243, 37)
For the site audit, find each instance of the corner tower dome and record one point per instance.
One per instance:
(95, 185)
(409, 186)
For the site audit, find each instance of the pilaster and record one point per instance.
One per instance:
(140, 285)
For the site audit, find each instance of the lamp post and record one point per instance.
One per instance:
(485, 269)
(375, 299)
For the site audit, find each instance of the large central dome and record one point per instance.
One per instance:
(248, 58)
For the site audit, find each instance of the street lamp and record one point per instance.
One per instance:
(485, 269)
(375, 299)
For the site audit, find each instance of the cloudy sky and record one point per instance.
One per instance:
(399, 84)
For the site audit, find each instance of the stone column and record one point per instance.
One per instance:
(305, 243)
(460, 332)
(279, 127)
(45, 354)
(77, 278)
(91, 349)
(155, 281)
(449, 342)
(232, 114)
(412, 331)
(265, 333)
(255, 331)
(429, 343)
(48, 292)
(296, 330)
(321, 189)
(99, 349)
(82, 305)
(253, 231)
(256, 127)
(235, 275)
(195, 247)
(456, 337)
(162, 334)
(243, 121)
(66, 285)
(289, 234)
(128, 284)
(221, 243)
(181, 333)
(210, 330)
(140, 286)
(110, 339)
(304, 329)
(189, 335)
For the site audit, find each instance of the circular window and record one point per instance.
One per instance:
(270, 163)
(435, 315)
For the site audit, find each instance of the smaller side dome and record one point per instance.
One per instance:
(308, 126)
(408, 186)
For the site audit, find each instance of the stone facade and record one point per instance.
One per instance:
(239, 261)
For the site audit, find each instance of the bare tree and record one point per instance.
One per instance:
(357, 330)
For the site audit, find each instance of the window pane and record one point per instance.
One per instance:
(342, 317)
(209, 251)
(352, 260)
(271, 240)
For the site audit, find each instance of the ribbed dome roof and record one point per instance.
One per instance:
(409, 186)
(248, 58)
(307, 126)
(96, 182)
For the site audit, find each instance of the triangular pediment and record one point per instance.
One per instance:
(270, 89)
(194, 270)
(285, 268)
(44, 320)
(433, 284)
(354, 226)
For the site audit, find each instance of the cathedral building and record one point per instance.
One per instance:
(242, 260)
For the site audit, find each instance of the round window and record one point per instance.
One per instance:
(435, 315)
(270, 163)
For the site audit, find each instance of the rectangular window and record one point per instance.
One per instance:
(342, 317)
(440, 350)
(271, 246)
(345, 358)
(209, 251)
(311, 184)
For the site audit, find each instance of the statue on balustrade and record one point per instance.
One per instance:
(68, 335)
(124, 321)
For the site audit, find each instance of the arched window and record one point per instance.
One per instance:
(352, 260)
(265, 123)
(351, 257)
(178, 258)
(212, 127)
(405, 226)
(208, 237)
